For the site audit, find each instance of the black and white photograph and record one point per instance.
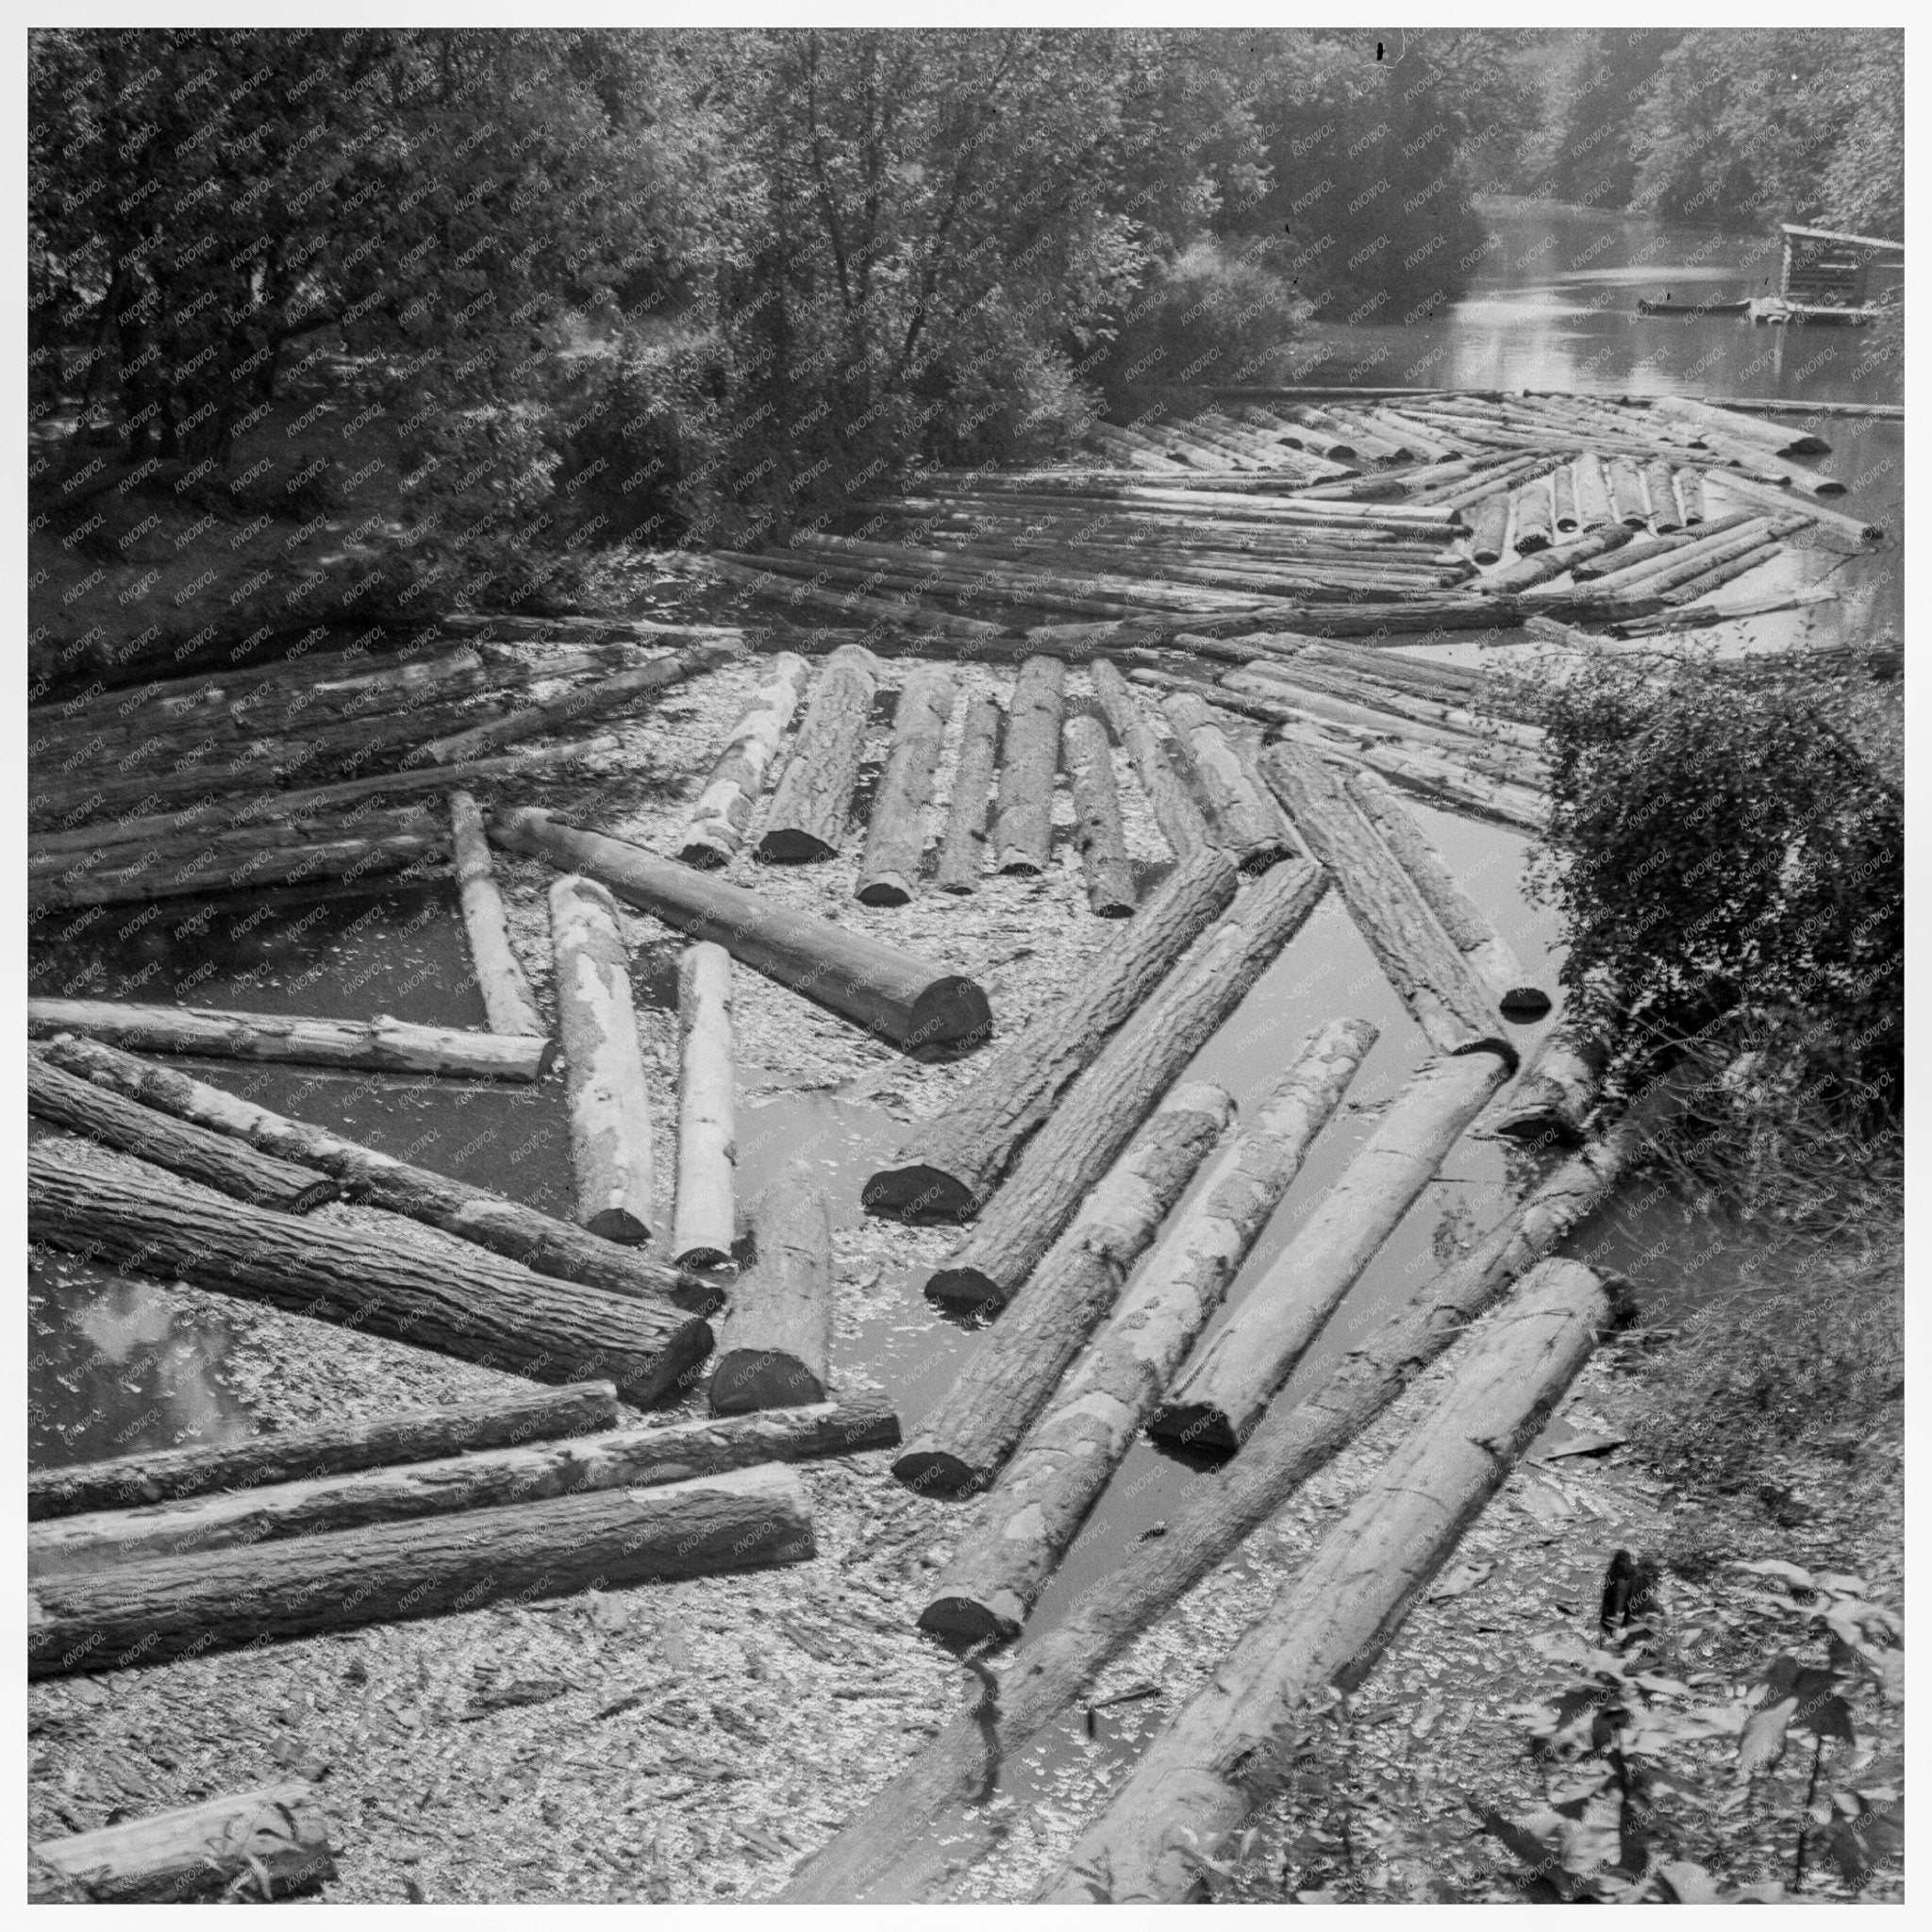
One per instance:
(965, 960)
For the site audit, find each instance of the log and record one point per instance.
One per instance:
(1423, 967)
(54, 1094)
(1199, 1781)
(895, 839)
(1490, 526)
(507, 999)
(889, 992)
(1242, 817)
(972, 1428)
(1739, 565)
(1565, 557)
(384, 1045)
(1179, 818)
(953, 1161)
(1118, 1090)
(1689, 484)
(1732, 422)
(630, 1458)
(1626, 493)
(1088, 760)
(1592, 493)
(775, 1344)
(526, 1235)
(266, 1843)
(392, 1572)
(327, 1450)
(1469, 928)
(814, 804)
(717, 824)
(1853, 535)
(1534, 517)
(706, 1221)
(1637, 556)
(1563, 497)
(604, 1067)
(469, 1304)
(1018, 1537)
(1553, 1093)
(1023, 834)
(1661, 492)
(962, 854)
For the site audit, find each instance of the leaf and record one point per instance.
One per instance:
(1686, 1883)
(1763, 1741)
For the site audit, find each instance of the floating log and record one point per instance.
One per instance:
(1563, 497)
(1242, 817)
(1661, 491)
(1700, 560)
(1432, 978)
(1748, 428)
(1179, 818)
(718, 821)
(1554, 1092)
(384, 1045)
(953, 1161)
(1453, 787)
(1089, 762)
(1008, 1378)
(1740, 563)
(1853, 534)
(705, 1224)
(507, 999)
(391, 1571)
(525, 1234)
(963, 855)
(1565, 557)
(1023, 834)
(604, 1067)
(1197, 1783)
(814, 804)
(775, 1344)
(1490, 526)
(1117, 1092)
(889, 992)
(895, 840)
(328, 1450)
(54, 1094)
(1637, 556)
(266, 1843)
(630, 1457)
(1018, 1537)
(1689, 484)
(1534, 517)
(1593, 509)
(1626, 493)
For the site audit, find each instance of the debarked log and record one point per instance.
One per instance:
(731, 793)
(1103, 844)
(1179, 818)
(705, 1224)
(895, 838)
(813, 803)
(1023, 833)
(774, 1342)
(507, 1000)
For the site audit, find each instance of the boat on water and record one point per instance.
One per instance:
(1669, 308)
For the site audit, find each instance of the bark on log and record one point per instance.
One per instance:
(262, 1844)
(1734, 423)
(1664, 514)
(1088, 760)
(972, 1428)
(1490, 526)
(1216, 1404)
(1178, 817)
(1626, 493)
(1017, 1539)
(1554, 564)
(1422, 964)
(285, 863)
(1116, 1094)
(706, 1221)
(507, 999)
(895, 839)
(186, 1605)
(962, 856)
(1563, 497)
(1242, 817)
(1634, 558)
(604, 1066)
(1720, 573)
(953, 1162)
(526, 1235)
(385, 1045)
(328, 1450)
(54, 1094)
(1552, 1096)
(774, 1344)
(475, 1307)
(1534, 517)
(1852, 535)
(1023, 834)
(621, 1459)
(718, 821)
(1592, 493)
(890, 993)
(813, 803)
(1200, 1779)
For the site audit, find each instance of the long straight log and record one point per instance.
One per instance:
(1229, 1384)
(1593, 509)
(1118, 1090)
(127, 1483)
(1853, 534)
(1563, 497)
(706, 1223)
(1739, 565)
(718, 821)
(1023, 835)
(972, 1428)
(1202, 1777)
(537, 1241)
(1451, 786)
(391, 1571)
(508, 1003)
(1242, 817)
(1554, 1091)
(1564, 556)
(775, 1344)
(1636, 556)
(1423, 967)
(1018, 1537)
(1089, 762)
(390, 1047)
(1672, 574)
(1734, 423)
(1179, 818)
(1534, 517)
(1626, 493)
(953, 1162)
(630, 1458)
(889, 992)
(471, 1304)
(813, 803)
(1689, 484)
(1662, 495)
(963, 852)
(895, 840)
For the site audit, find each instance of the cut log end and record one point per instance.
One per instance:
(952, 1013)
(1196, 1425)
(746, 1379)
(918, 1193)
(935, 1471)
(705, 856)
(888, 889)
(706, 1255)
(1505, 1050)
(619, 1224)
(967, 1290)
(786, 846)
(1524, 1004)
(1262, 858)
(964, 1619)
(1020, 865)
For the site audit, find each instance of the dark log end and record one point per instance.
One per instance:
(1530, 544)
(546, 1059)
(1524, 1004)
(1106, 907)
(967, 1290)
(962, 888)
(619, 1224)
(934, 1471)
(917, 1193)
(1264, 857)
(705, 856)
(1196, 1425)
(747, 1379)
(1539, 1121)
(965, 1620)
(1828, 486)
(890, 889)
(1505, 1050)
(704, 1256)
(648, 1380)
(952, 1013)
(782, 847)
